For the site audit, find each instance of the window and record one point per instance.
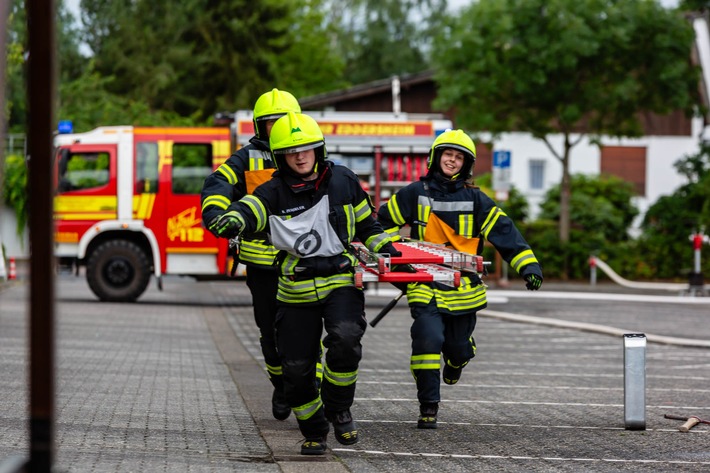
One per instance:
(537, 174)
(81, 171)
(192, 163)
(147, 168)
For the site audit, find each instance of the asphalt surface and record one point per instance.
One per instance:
(175, 383)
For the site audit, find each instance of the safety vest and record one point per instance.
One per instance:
(256, 248)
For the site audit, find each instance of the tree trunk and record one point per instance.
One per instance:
(565, 192)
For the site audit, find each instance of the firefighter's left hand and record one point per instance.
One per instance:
(391, 250)
(533, 282)
(227, 225)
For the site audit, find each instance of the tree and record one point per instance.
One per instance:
(582, 68)
(381, 38)
(70, 61)
(204, 56)
(670, 221)
(602, 210)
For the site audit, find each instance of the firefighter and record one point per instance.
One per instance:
(313, 210)
(444, 207)
(238, 176)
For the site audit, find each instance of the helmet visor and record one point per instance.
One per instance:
(463, 149)
(298, 149)
(273, 116)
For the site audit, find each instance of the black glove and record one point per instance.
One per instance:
(227, 225)
(391, 250)
(533, 282)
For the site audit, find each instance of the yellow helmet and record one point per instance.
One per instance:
(453, 139)
(293, 133)
(270, 106)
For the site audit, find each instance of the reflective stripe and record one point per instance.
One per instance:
(423, 208)
(523, 259)
(350, 216)
(306, 411)
(319, 370)
(275, 370)
(423, 213)
(375, 242)
(256, 164)
(257, 158)
(340, 379)
(228, 173)
(448, 362)
(258, 209)
(393, 233)
(464, 299)
(491, 220)
(466, 225)
(311, 290)
(362, 211)
(429, 361)
(459, 206)
(257, 252)
(393, 208)
(218, 201)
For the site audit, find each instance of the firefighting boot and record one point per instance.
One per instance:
(452, 374)
(427, 415)
(279, 406)
(344, 426)
(314, 446)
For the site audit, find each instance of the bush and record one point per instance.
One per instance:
(14, 189)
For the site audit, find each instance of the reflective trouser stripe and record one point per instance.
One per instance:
(465, 299)
(311, 290)
(306, 411)
(274, 370)
(430, 361)
(340, 379)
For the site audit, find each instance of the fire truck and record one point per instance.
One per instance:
(127, 206)
(127, 203)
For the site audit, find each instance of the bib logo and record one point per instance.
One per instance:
(182, 226)
(308, 243)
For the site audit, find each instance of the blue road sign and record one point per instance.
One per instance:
(501, 159)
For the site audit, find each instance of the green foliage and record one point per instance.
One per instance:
(668, 223)
(601, 207)
(602, 212)
(14, 189)
(381, 38)
(536, 65)
(88, 104)
(196, 57)
(516, 206)
(70, 61)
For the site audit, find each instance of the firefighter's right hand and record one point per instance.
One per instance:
(227, 225)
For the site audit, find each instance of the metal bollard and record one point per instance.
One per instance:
(635, 381)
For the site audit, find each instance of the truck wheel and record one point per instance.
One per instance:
(118, 271)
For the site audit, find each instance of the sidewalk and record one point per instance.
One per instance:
(163, 385)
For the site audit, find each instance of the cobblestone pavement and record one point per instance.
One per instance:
(175, 383)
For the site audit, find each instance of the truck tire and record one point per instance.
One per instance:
(118, 271)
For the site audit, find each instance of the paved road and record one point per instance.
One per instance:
(174, 383)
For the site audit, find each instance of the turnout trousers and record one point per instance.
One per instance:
(263, 284)
(298, 333)
(434, 334)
